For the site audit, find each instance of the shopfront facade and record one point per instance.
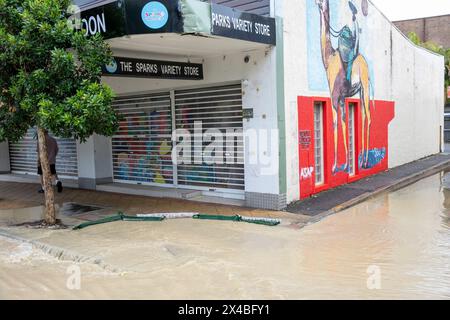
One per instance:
(197, 82)
(267, 102)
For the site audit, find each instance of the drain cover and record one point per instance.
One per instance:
(73, 209)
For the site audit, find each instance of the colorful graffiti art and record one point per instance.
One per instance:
(144, 148)
(339, 62)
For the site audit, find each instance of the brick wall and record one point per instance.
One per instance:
(434, 29)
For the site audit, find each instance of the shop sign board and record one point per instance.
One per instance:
(131, 67)
(232, 23)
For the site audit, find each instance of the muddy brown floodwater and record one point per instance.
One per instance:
(396, 246)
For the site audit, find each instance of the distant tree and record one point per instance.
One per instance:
(50, 79)
(437, 49)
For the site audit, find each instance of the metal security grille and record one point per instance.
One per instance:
(142, 146)
(23, 156)
(213, 117)
(261, 7)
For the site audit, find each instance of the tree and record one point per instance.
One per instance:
(437, 49)
(50, 79)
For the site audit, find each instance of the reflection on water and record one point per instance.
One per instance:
(445, 183)
(26, 215)
(398, 242)
(405, 234)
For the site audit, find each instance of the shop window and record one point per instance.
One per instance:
(318, 143)
(351, 138)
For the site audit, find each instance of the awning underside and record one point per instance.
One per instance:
(184, 45)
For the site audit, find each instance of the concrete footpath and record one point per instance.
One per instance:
(341, 198)
(14, 195)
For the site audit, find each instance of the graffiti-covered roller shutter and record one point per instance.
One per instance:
(261, 7)
(215, 111)
(142, 146)
(23, 156)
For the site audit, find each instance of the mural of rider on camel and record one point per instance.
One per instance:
(339, 63)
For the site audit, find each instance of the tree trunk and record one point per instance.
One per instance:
(50, 213)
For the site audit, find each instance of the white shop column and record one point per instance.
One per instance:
(94, 162)
(4, 158)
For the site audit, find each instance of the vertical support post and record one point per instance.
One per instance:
(174, 138)
(4, 157)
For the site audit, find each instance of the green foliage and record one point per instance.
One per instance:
(50, 73)
(437, 49)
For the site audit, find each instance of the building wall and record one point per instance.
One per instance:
(259, 93)
(402, 76)
(434, 29)
(295, 83)
(4, 158)
(418, 79)
(94, 162)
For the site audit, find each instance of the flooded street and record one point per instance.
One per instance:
(396, 246)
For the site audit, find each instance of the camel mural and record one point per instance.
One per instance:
(348, 75)
(340, 46)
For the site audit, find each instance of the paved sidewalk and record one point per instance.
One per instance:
(15, 195)
(343, 197)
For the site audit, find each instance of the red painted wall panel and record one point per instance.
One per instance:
(382, 113)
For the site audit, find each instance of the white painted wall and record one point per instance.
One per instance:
(259, 93)
(86, 159)
(410, 76)
(413, 78)
(295, 84)
(417, 89)
(103, 161)
(94, 158)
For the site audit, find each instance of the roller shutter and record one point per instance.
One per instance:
(23, 156)
(218, 110)
(142, 146)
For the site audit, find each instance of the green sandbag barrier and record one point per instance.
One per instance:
(217, 217)
(148, 219)
(100, 221)
(262, 221)
(119, 217)
(237, 218)
(122, 217)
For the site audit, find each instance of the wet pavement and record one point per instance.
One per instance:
(393, 246)
(343, 197)
(24, 195)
